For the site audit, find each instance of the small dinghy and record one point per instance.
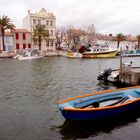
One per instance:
(100, 104)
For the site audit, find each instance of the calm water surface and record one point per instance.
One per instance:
(29, 90)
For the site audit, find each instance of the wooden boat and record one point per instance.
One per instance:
(74, 55)
(100, 52)
(100, 104)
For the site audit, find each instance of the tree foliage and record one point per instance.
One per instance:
(120, 37)
(40, 32)
(5, 24)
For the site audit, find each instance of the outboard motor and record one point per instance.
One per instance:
(105, 74)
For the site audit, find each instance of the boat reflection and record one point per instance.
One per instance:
(86, 129)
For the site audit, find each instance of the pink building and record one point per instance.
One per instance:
(22, 39)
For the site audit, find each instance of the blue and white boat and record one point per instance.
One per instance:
(100, 104)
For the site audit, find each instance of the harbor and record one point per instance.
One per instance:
(32, 88)
(68, 73)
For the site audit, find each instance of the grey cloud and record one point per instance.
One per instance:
(108, 16)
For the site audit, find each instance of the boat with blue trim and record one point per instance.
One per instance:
(100, 104)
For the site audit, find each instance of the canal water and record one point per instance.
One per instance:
(29, 91)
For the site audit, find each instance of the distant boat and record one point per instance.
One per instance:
(130, 53)
(28, 55)
(100, 104)
(74, 55)
(100, 52)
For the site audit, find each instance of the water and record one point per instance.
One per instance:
(29, 90)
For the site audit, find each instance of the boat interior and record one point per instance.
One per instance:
(104, 100)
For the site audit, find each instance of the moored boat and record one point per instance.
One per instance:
(100, 52)
(74, 55)
(100, 104)
(109, 75)
(28, 55)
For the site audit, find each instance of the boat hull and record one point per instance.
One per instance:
(99, 55)
(77, 108)
(98, 114)
(74, 55)
(30, 58)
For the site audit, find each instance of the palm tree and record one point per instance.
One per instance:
(138, 40)
(120, 37)
(4, 25)
(40, 32)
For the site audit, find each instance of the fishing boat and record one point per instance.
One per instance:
(100, 104)
(100, 52)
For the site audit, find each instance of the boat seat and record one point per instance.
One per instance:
(131, 97)
(93, 105)
(120, 101)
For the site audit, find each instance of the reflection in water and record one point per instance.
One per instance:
(104, 85)
(85, 129)
(29, 90)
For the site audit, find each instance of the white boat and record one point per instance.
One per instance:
(28, 55)
(114, 76)
(109, 75)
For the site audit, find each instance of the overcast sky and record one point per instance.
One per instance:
(108, 16)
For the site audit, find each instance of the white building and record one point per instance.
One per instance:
(8, 41)
(44, 18)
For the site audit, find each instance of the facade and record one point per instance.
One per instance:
(44, 18)
(9, 42)
(22, 39)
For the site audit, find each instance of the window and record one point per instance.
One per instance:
(24, 46)
(34, 21)
(23, 36)
(47, 43)
(39, 21)
(48, 31)
(51, 23)
(9, 48)
(7, 39)
(17, 46)
(51, 43)
(29, 45)
(51, 32)
(17, 36)
(47, 22)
